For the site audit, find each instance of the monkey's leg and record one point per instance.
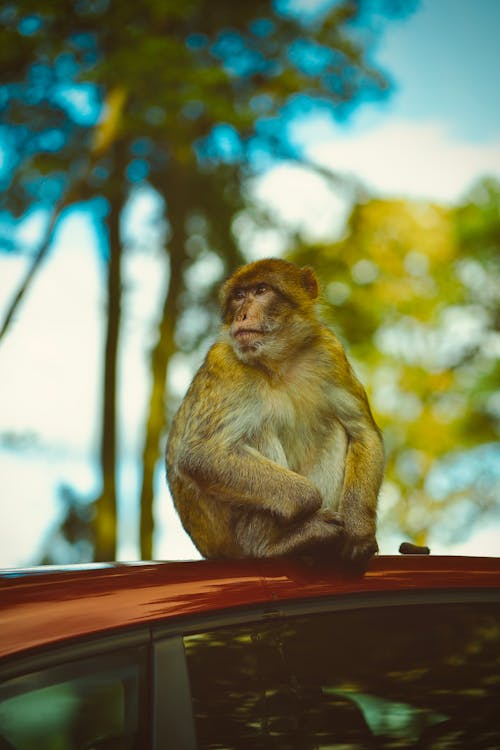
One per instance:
(262, 536)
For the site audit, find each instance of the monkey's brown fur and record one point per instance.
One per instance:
(274, 449)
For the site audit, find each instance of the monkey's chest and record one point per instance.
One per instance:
(291, 431)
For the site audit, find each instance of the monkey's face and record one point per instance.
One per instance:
(268, 310)
(254, 318)
(264, 326)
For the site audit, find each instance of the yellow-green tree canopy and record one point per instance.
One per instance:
(413, 290)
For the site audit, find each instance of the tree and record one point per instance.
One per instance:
(413, 290)
(187, 95)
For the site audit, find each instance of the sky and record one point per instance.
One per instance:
(436, 134)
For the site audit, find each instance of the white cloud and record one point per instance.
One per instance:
(48, 359)
(482, 542)
(303, 200)
(401, 158)
(395, 159)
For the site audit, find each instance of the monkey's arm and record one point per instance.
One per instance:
(243, 476)
(209, 445)
(364, 463)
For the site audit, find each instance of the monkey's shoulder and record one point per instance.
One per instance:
(328, 341)
(221, 364)
(333, 354)
(220, 376)
(325, 355)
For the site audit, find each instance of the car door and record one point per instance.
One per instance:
(87, 696)
(411, 671)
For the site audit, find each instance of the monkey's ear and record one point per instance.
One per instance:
(224, 292)
(309, 281)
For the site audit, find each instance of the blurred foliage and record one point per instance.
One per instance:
(413, 289)
(100, 97)
(70, 540)
(188, 98)
(199, 81)
(191, 98)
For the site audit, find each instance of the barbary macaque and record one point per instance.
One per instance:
(274, 449)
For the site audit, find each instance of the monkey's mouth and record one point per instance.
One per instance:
(246, 336)
(247, 332)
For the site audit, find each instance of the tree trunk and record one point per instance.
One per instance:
(176, 199)
(105, 507)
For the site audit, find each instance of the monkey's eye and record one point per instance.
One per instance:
(260, 289)
(238, 294)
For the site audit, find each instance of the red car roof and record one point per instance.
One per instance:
(48, 606)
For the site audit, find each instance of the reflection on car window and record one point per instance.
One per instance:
(81, 706)
(422, 677)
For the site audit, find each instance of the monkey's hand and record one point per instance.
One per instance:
(324, 526)
(359, 543)
(359, 512)
(320, 536)
(331, 516)
(357, 547)
(302, 502)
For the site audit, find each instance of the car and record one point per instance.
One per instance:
(252, 654)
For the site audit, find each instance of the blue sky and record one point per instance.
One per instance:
(436, 134)
(432, 138)
(446, 62)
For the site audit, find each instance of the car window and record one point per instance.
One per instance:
(420, 676)
(91, 704)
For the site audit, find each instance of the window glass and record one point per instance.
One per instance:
(78, 706)
(420, 676)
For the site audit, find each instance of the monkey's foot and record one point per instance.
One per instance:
(356, 551)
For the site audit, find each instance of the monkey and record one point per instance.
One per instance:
(274, 450)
